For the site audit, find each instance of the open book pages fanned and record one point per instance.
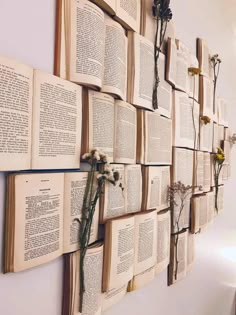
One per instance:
(130, 248)
(121, 200)
(92, 48)
(154, 139)
(40, 119)
(109, 125)
(42, 217)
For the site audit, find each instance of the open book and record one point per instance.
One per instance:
(127, 12)
(40, 119)
(91, 47)
(149, 25)
(206, 96)
(185, 121)
(130, 248)
(156, 180)
(117, 201)
(42, 213)
(154, 139)
(163, 254)
(109, 125)
(181, 257)
(182, 169)
(177, 65)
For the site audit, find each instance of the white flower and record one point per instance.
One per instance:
(86, 156)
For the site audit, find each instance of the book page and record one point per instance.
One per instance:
(158, 182)
(198, 176)
(16, 82)
(220, 199)
(144, 278)
(206, 96)
(218, 136)
(223, 112)
(178, 268)
(128, 12)
(115, 60)
(144, 72)
(204, 57)
(87, 35)
(171, 62)
(38, 219)
(114, 197)
(210, 206)
(181, 213)
(57, 118)
(158, 139)
(163, 241)
(191, 251)
(113, 296)
(164, 91)
(193, 80)
(183, 166)
(181, 81)
(119, 253)
(92, 300)
(107, 5)
(133, 187)
(125, 133)
(101, 123)
(75, 185)
(206, 137)
(145, 241)
(203, 220)
(186, 124)
(207, 172)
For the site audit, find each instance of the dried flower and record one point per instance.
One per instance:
(216, 61)
(194, 71)
(220, 156)
(206, 120)
(95, 155)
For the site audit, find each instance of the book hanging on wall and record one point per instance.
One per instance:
(115, 202)
(130, 248)
(109, 125)
(94, 301)
(206, 136)
(40, 119)
(98, 56)
(42, 213)
(154, 139)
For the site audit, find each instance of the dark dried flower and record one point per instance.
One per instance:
(205, 119)
(194, 71)
(161, 10)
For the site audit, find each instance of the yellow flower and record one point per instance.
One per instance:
(220, 157)
(194, 71)
(206, 119)
(220, 151)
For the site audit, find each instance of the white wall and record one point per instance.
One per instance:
(27, 34)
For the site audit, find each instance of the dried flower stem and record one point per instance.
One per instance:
(216, 62)
(217, 170)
